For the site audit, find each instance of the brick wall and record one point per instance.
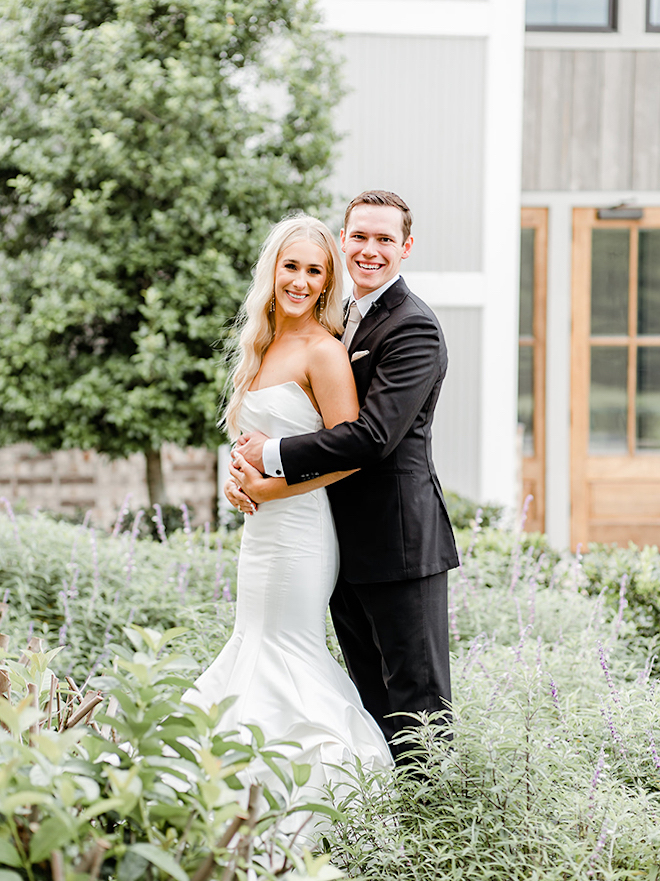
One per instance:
(70, 480)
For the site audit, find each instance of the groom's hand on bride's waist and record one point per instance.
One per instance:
(251, 446)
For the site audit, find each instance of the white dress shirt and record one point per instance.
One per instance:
(271, 451)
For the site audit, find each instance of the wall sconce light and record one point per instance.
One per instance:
(620, 212)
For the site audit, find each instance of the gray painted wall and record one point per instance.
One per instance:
(456, 429)
(591, 120)
(415, 125)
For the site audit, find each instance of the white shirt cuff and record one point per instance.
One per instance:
(272, 459)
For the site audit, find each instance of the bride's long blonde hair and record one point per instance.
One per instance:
(255, 319)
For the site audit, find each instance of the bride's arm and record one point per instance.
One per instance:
(331, 380)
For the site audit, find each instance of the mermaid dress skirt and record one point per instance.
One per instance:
(276, 661)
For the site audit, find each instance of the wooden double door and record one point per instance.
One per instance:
(615, 378)
(614, 370)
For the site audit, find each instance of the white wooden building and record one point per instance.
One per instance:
(477, 123)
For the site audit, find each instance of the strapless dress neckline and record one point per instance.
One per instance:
(277, 385)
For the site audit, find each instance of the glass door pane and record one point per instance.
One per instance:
(526, 320)
(526, 332)
(648, 304)
(526, 397)
(648, 399)
(610, 255)
(608, 401)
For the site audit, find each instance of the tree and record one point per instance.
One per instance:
(145, 150)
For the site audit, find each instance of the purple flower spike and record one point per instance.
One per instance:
(186, 526)
(452, 613)
(123, 511)
(555, 695)
(478, 519)
(12, 517)
(623, 602)
(158, 520)
(600, 766)
(523, 517)
(616, 737)
(608, 676)
(653, 750)
(600, 844)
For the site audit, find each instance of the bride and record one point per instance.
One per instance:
(292, 377)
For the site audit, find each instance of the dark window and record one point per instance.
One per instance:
(653, 15)
(574, 15)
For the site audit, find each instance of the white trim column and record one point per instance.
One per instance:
(494, 290)
(503, 150)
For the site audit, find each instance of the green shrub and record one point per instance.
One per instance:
(464, 513)
(629, 577)
(157, 793)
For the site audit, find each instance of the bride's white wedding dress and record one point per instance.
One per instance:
(276, 660)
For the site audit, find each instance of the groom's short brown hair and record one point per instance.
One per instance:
(383, 197)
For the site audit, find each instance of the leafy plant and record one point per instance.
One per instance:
(627, 576)
(464, 513)
(160, 791)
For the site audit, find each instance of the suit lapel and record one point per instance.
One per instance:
(378, 312)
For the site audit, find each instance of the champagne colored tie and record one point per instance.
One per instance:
(354, 318)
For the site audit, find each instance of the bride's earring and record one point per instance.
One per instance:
(322, 301)
(272, 303)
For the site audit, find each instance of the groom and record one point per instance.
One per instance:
(396, 544)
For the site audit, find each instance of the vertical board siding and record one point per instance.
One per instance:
(646, 129)
(531, 121)
(456, 429)
(585, 120)
(616, 133)
(414, 124)
(591, 120)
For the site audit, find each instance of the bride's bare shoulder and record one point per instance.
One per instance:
(325, 342)
(327, 352)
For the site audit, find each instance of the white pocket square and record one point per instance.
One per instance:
(357, 355)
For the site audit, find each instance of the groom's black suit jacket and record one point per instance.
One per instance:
(391, 518)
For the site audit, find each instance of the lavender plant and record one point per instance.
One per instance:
(553, 770)
(78, 587)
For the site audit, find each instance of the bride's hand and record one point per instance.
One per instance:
(248, 478)
(237, 498)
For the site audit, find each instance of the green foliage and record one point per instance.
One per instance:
(78, 586)
(145, 150)
(628, 576)
(553, 772)
(159, 792)
(463, 512)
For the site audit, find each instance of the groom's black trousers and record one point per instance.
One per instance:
(394, 637)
